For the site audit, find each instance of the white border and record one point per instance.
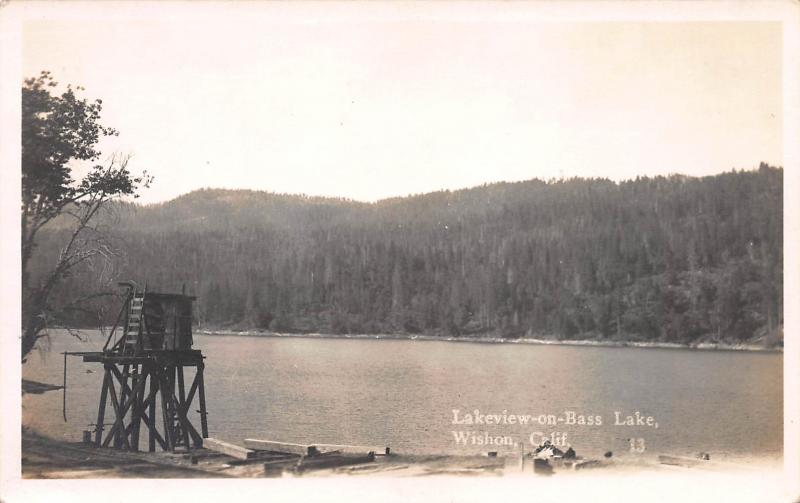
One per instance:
(642, 486)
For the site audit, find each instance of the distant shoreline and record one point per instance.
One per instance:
(497, 340)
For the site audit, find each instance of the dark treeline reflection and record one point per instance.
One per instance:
(673, 259)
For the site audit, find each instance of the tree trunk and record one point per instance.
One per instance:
(33, 321)
(30, 334)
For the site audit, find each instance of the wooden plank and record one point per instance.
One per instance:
(587, 463)
(684, 462)
(182, 409)
(273, 446)
(352, 449)
(203, 420)
(268, 459)
(151, 416)
(333, 461)
(101, 412)
(231, 450)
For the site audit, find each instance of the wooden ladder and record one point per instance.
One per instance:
(133, 327)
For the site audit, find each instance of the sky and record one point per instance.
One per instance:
(371, 102)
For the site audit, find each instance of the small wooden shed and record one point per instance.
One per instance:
(168, 321)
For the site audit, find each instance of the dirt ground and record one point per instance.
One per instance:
(43, 457)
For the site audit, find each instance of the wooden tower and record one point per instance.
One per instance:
(144, 359)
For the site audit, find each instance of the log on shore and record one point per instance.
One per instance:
(282, 447)
(352, 449)
(680, 461)
(333, 461)
(226, 448)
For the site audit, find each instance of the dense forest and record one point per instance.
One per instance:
(669, 259)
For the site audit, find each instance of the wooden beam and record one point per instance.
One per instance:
(165, 413)
(202, 391)
(186, 425)
(683, 461)
(122, 410)
(101, 411)
(151, 416)
(154, 435)
(138, 383)
(182, 407)
(285, 447)
(231, 450)
(123, 397)
(333, 461)
(352, 449)
(192, 390)
(118, 429)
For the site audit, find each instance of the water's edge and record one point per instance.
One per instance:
(498, 340)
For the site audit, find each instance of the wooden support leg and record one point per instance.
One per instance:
(125, 389)
(101, 411)
(118, 431)
(182, 402)
(152, 413)
(123, 395)
(202, 391)
(138, 384)
(149, 418)
(172, 407)
(165, 411)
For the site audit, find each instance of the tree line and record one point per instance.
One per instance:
(671, 259)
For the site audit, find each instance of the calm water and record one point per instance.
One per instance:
(402, 394)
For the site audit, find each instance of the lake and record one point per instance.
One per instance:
(405, 394)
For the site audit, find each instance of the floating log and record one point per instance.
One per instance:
(232, 450)
(283, 447)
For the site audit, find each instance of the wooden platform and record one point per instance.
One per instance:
(186, 357)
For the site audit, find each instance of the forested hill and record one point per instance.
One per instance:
(672, 259)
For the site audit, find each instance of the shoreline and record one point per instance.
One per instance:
(44, 457)
(495, 340)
